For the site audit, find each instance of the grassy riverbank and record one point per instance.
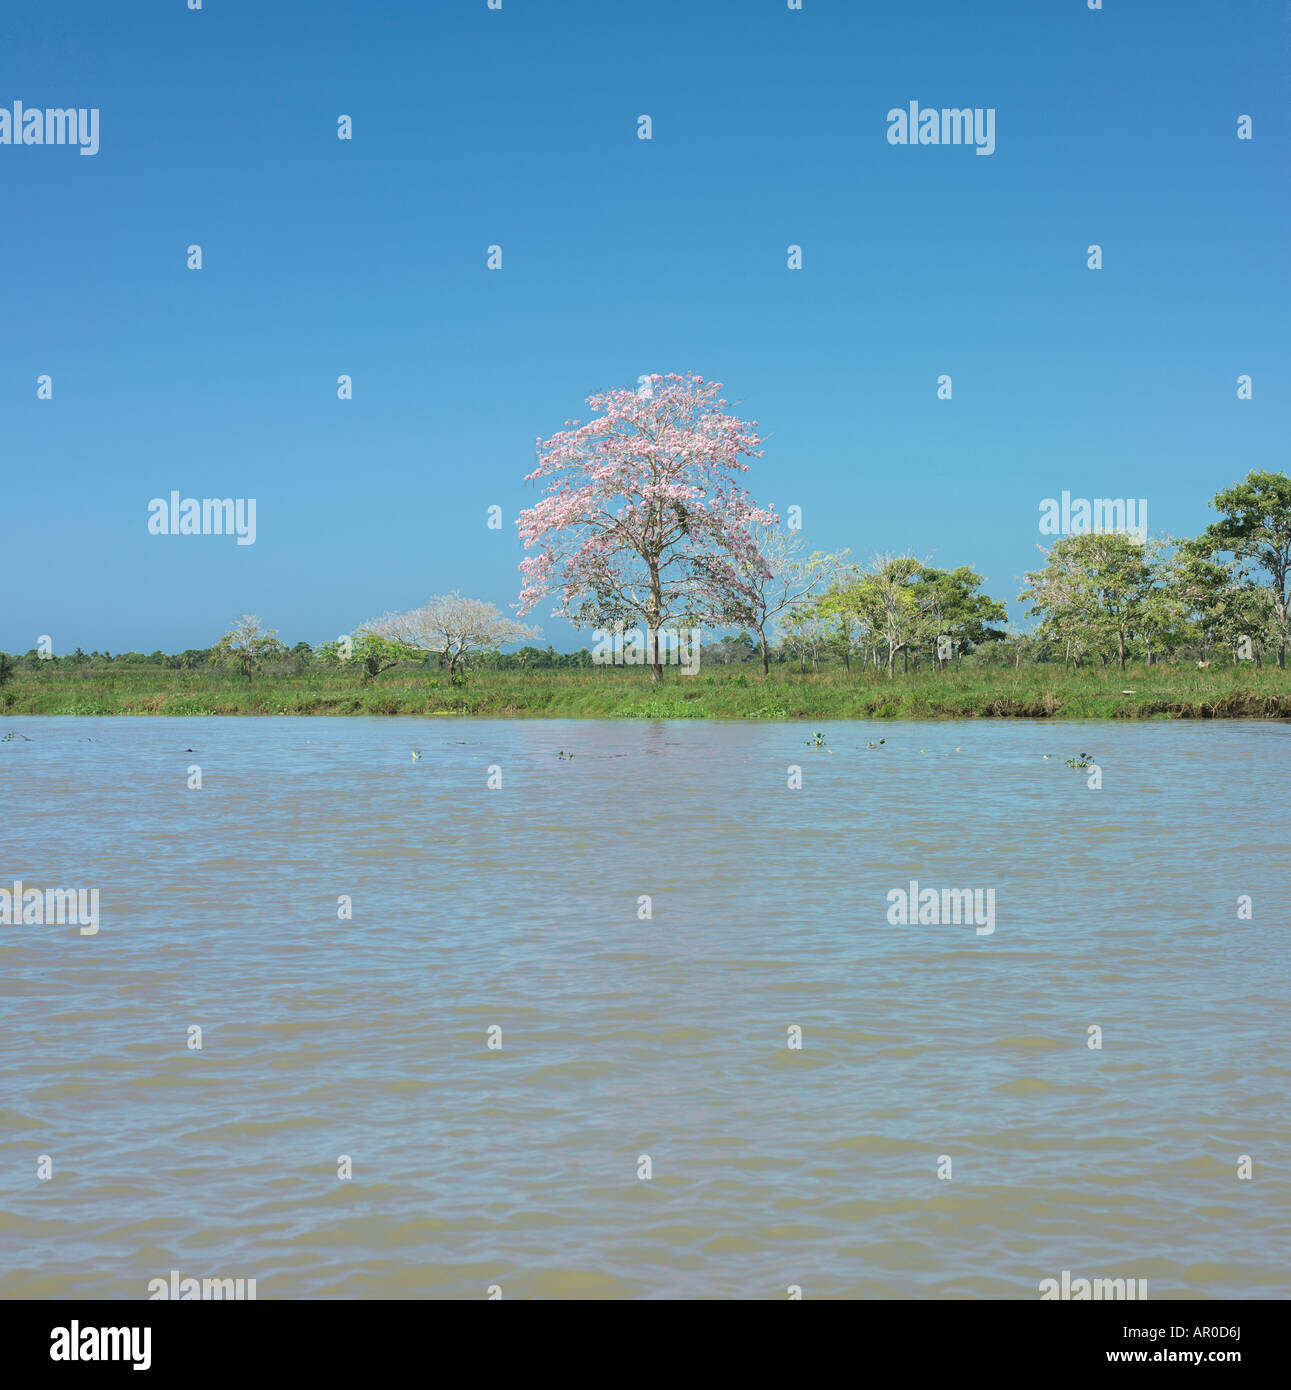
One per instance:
(1032, 692)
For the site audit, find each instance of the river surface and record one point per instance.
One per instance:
(645, 1128)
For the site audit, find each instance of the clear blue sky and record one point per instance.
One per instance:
(620, 257)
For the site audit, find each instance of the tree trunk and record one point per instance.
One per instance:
(653, 611)
(762, 639)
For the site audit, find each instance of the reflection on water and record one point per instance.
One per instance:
(624, 1035)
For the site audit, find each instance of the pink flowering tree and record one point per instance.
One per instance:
(644, 520)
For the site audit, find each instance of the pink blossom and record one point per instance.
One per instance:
(643, 516)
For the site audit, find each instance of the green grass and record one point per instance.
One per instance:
(1033, 692)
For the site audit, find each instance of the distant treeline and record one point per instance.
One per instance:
(1101, 598)
(797, 651)
(294, 660)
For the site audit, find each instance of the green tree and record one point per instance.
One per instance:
(1256, 527)
(804, 633)
(888, 601)
(246, 644)
(1163, 621)
(1092, 590)
(372, 652)
(954, 608)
